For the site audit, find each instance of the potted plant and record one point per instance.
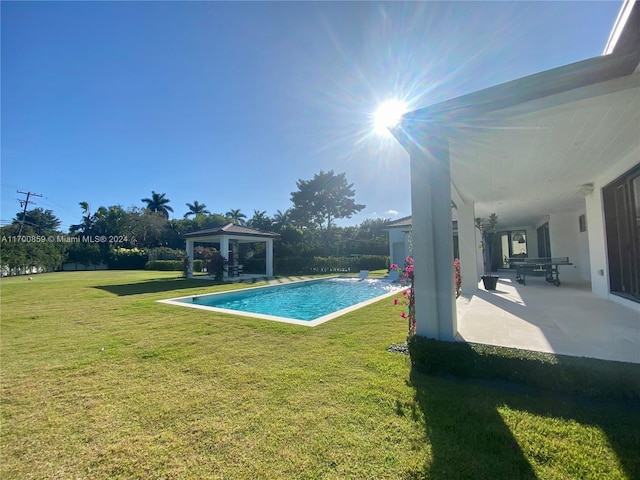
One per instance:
(489, 231)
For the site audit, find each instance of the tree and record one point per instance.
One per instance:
(196, 209)
(324, 199)
(42, 222)
(236, 216)
(24, 256)
(282, 220)
(87, 220)
(158, 203)
(260, 220)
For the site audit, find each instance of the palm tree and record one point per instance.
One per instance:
(157, 203)
(282, 219)
(196, 209)
(236, 216)
(260, 220)
(87, 220)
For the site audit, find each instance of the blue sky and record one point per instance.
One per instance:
(231, 103)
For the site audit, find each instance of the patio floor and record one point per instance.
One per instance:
(567, 320)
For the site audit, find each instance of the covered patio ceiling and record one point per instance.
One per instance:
(523, 149)
(525, 165)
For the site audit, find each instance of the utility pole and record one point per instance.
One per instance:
(25, 203)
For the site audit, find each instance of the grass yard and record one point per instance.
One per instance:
(99, 381)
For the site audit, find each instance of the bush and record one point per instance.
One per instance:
(198, 265)
(127, 258)
(164, 265)
(314, 265)
(165, 253)
(559, 373)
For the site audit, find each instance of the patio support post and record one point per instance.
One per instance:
(432, 237)
(189, 250)
(269, 258)
(468, 247)
(224, 251)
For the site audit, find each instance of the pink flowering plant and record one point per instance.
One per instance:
(457, 276)
(408, 297)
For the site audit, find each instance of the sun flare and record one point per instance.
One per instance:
(388, 115)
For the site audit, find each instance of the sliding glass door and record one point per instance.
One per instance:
(622, 222)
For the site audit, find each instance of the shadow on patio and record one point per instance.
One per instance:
(567, 320)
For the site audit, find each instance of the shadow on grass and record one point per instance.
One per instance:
(156, 286)
(470, 439)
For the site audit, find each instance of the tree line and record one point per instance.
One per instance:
(307, 229)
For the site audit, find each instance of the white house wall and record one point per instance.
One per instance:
(563, 236)
(584, 265)
(398, 236)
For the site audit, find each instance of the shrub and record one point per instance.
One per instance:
(559, 373)
(165, 253)
(127, 258)
(312, 265)
(216, 266)
(164, 265)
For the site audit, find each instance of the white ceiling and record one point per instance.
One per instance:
(528, 161)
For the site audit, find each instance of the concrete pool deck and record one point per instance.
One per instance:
(567, 320)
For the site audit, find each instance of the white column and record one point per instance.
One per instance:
(469, 248)
(433, 239)
(189, 250)
(224, 251)
(269, 257)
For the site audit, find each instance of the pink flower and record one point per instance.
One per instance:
(403, 315)
(393, 266)
(395, 301)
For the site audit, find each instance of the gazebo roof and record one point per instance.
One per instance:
(231, 229)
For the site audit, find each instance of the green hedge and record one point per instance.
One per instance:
(172, 265)
(127, 259)
(558, 373)
(164, 265)
(311, 265)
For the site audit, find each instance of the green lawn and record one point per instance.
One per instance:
(100, 381)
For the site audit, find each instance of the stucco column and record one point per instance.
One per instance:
(189, 250)
(433, 238)
(269, 258)
(468, 247)
(224, 251)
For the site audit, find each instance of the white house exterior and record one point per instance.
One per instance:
(556, 155)
(399, 240)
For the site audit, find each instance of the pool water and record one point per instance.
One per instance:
(307, 302)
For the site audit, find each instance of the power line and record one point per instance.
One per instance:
(26, 204)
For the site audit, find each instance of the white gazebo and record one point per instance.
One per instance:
(229, 237)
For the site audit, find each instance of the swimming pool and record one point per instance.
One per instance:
(308, 302)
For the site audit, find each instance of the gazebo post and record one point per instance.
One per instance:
(224, 251)
(189, 251)
(269, 258)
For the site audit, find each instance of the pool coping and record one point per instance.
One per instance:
(274, 318)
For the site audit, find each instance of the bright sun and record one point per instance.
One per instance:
(388, 115)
